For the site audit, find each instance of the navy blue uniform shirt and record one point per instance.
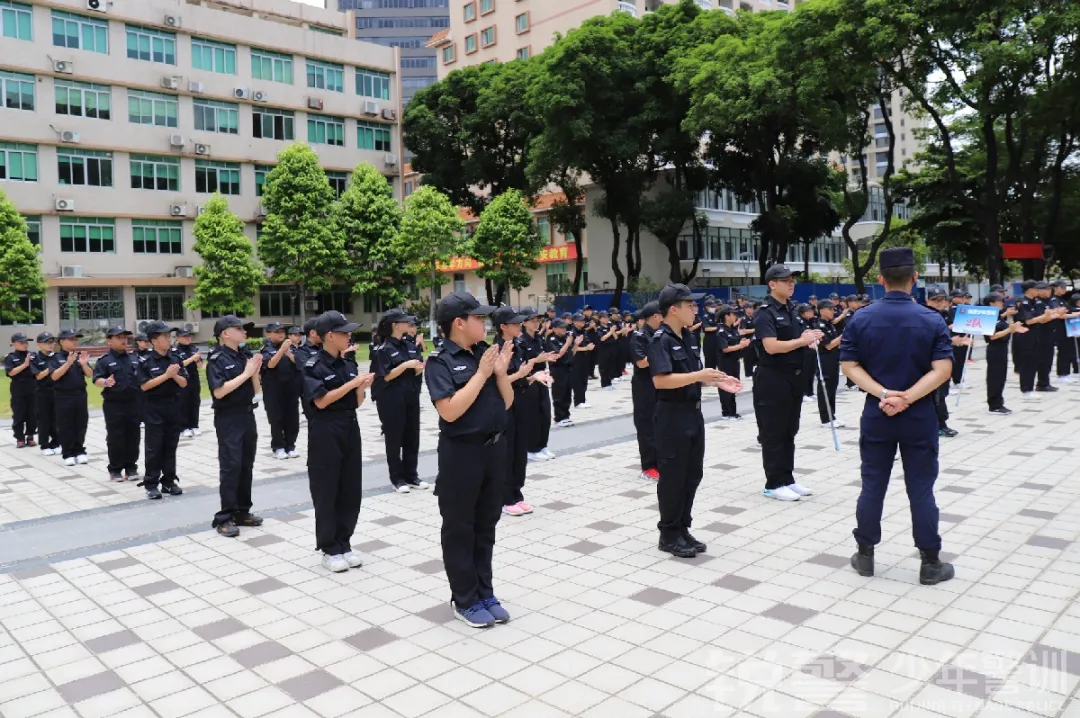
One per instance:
(449, 369)
(123, 367)
(386, 358)
(778, 321)
(152, 367)
(554, 343)
(73, 381)
(323, 373)
(224, 365)
(39, 363)
(22, 383)
(671, 354)
(285, 373)
(185, 353)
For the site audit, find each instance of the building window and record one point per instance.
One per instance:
(152, 108)
(83, 99)
(84, 167)
(326, 131)
(91, 308)
(521, 23)
(213, 56)
(223, 177)
(487, 6)
(336, 300)
(459, 282)
(470, 44)
(882, 159)
(373, 84)
(338, 181)
(558, 277)
(33, 229)
(17, 91)
(409, 188)
(260, 178)
(18, 162)
(214, 116)
(150, 45)
(155, 173)
(418, 63)
(371, 136)
(543, 227)
(326, 76)
(87, 234)
(524, 52)
(470, 11)
(449, 54)
(159, 303)
(273, 124)
(35, 307)
(487, 36)
(156, 237)
(278, 301)
(271, 66)
(80, 33)
(16, 20)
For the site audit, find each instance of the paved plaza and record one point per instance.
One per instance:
(112, 606)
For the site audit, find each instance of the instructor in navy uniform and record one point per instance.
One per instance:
(898, 352)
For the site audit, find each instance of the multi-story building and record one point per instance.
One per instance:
(120, 118)
(405, 24)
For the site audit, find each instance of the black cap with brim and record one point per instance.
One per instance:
(18, 337)
(45, 337)
(579, 317)
(650, 309)
(672, 294)
(528, 313)
(825, 304)
(457, 305)
(309, 325)
(274, 327)
(506, 315)
(994, 297)
(397, 316)
(158, 327)
(295, 330)
(1029, 284)
(935, 293)
(558, 324)
(116, 332)
(334, 322)
(186, 333)
(141, 337)
(1042, 285)
(227, 322)
(68, 334)
(778, 271)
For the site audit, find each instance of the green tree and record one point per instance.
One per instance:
(20, 265)
(506, 242)
(368, 218)
(229, 275)
(300, 242)
(430, 234)
(902, 235)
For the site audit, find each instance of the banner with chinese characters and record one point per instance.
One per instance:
(975, 320)
(561, 253)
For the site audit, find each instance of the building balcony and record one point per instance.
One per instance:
(627, 7)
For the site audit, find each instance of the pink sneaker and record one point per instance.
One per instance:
(651, 474)
(513, 510)
(525, 508)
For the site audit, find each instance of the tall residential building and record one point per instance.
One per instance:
(406, 24)
(121, 118)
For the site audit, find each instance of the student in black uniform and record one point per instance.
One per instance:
(710, 327)
(629, 326)
(116, 374)
(44, 397)
(23, 407)
(162, 378)
(142, 350)
(539, 398)
(70, 367)
(938, 302)
(1033, 313)
(607, 350)
(747, 329)
(192, 398)
(584, 348)
(809, 321)
(308, 348)
(643, 392)
(278, 376)
(470, 387)
(960, 351)
(829, 352)
(335, 388)
(1066, 347)
(997, 353)
(730, 343)
(398, 365)
(680, 427)
(233, 376)
(561, 344)
(507, 325)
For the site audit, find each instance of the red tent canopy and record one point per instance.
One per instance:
(1019, 250)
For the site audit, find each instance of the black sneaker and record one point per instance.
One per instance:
(1046, 388)
(153, 493)
(247, 520)
(677, 547)
(115, 476)
(946, 431)
(1001, 410)
(863, 560)
(228, 529)
(171, 489)
(697, 545)
(933, 571)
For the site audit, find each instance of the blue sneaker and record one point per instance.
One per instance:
(476, 615)
(495, 609)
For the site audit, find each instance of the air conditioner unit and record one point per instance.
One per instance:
(143, 326)
(390, 160)
(262, 211)
(65, 67)
(260, 96)
(199, 210)
(98, 5)
(172, 20)
(241, 93)
(185, 272)
(65, 205)
(192, 327)
(389, 114)
(170, 83)
(195, 86)
(371, 107)
(69, 136)
(176, 140)
(202, 149)
(178, 210)
(71, 270)
(314, 103)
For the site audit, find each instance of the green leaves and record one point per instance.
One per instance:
(368, 218)
(506, 241)
(430, 234)
(229, 276)
(20, 265)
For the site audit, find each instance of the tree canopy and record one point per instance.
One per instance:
(229, 276)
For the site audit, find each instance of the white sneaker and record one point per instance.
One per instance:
(835, 423)
(353, 559)
(69, 461)
(584, 405)
(547, 452)
(196, 432)
(420, 486)
(292, 454)
(337, 564)
(784, 493)
(564, 422)
(82, 459)
(537, 456)
(807, 399)
(187, 433)
(48, 452)
(801, 490)
(280, 454)
(402, 489)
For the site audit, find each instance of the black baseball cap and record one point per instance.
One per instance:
(1042, 285)
(896, 257)
(813, 297)
(567, 315)
(550, 310)
(996, 288)
(141, 337)
(334, 322)
(18, 337)
(116, 332)
(398, 316)
(226, 322)
(68, 334)
(778, 271)
(527, 313)
(994, 297)
(309, 325)
(558, 324)
(45, 337)
(650, 309)
(159, 327)
(834, 296)
(672, 294)
(506, 315)
(1029, 284)
(295, 330)
(935, 293)
(825, 304)
(587, 308)
(274, 327)
(1059, 283)
(579, 317)
(461, 304)
(805, 308)
(181, 332)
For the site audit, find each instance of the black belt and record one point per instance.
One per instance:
(682, 403)
(485, 439)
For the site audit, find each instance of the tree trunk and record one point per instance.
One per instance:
(806, 261)
(619, 278)
(431, 309)
(487, 289)
(674, 263)
(579, 265)
(303, 303)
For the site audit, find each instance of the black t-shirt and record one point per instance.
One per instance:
(555, 343)
(226, 364)
(449, 369)
(185, 352)
(123, 368)
(710, 325)
(73, 381)
(323, 373)
(287, 371)
(671, 354)
(639, 348)
(386, 358)
(151, 367)
(39, 363)
(22, 384)
(517, 358)
(781, 322)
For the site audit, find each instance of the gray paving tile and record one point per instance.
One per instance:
(152, 589)
(599, 456)
(752, 450)
(720, 527)
(1035, 487)
(957, 472)
(86, 688)
(735, 583)
(558, 506)
(288, 518)
(35, 572)
(1048, 542)
(261, 653)
(830, 560)
(371, 546)
(788, 613)
(957, 489)
(728, 510)
(724, 467)
(218, 629)
(951, 518)
(440, 613)
(1036, 514)
(802, 470)
(112, 641)
(1059, 448)
(371, 638)
(310, 685)
(585, 547)
(431, 567)
(267, 540)
(856, 482)
(1026, 454)
(1056, 658)
(388, 520)
(837, 669)
(968, 682)
(604, 526)
(655, 596)
(827, 713)
(812, 447)
(635, 494)
(118, 563)
(537, 477)
(263, 585)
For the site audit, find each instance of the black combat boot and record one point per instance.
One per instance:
(933, 571)
(863, 560)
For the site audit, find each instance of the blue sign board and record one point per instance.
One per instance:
(1072, 326)
(975, 320)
